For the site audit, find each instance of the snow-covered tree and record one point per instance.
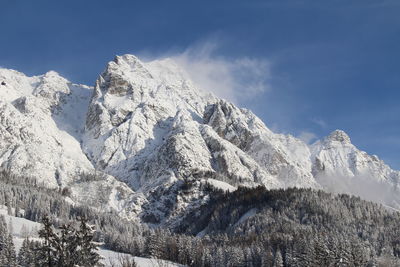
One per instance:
(48, 247)
(25, 254)
(278, 262)
(87, 252)
(7, 249)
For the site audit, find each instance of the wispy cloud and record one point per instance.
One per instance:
(307, 137)
(365, 186)
(234, 79)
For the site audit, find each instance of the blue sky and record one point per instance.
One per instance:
(328, 64)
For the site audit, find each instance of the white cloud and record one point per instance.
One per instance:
(307, 137)
(234, 79)
(365, 186)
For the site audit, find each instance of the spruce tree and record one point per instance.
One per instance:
(278, 262)
(25, 254)
(87, 252)
(267, 258)
(3, 231)
(7, 249)
(68, 246)
(323, 256)
(11, 257)
(155, 245)
(47, 248)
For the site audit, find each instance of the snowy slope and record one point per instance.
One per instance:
(41, 123)
(220, 185)
(31, 141)
(20, 226)
(112, 258)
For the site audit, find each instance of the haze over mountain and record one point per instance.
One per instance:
(148, 129)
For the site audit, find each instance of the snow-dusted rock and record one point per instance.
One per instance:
(282, 156)
(336, 154)
(36, 130)
(340, 167)
(42, 119)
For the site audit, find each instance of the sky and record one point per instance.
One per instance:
(304, 67)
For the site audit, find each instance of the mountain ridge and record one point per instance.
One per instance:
(147, 126)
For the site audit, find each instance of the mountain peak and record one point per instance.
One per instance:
(165, 70)
(125, 64)
(339, 136)
(52, 73)
(127, 59)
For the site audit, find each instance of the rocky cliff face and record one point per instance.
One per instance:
(282, 156)
(150, 131)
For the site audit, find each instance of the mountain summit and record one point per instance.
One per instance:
(149, 130)
(339, 136)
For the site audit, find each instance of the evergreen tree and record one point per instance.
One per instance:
(278, 262)
(3, 240)
(183, 248)
(323, 256)
(290, 259)
(219, 258)
(17, 210)
(10, 255)
(87, 252)
(358, 254)
(304, 252)
(8, 205)
(373, 260)
(66, 246)
(267, 258)
(48, 251)
(7, 249)
(25, 254)
(236, 257)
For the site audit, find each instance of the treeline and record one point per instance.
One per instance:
(28, 199)
(248, 227)
(284, 227)
(293, 227)
(31, 201)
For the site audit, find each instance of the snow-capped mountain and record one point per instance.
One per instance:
(41, 123)
(148, 120)
(149, 129)
(37, 134)
(339, 166)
